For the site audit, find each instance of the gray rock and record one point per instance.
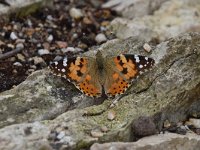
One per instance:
(43, 51)
(21, 5)
(170, 91)
(134, 8)
(20, 46)
(13, 36)
(168, 141)
(100, 38)
(170, 19)
(50, 38)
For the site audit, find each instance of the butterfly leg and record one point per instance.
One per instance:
(115, 101)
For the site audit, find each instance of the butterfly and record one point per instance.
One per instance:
(111, 74)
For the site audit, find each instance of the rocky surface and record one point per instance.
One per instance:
(170, 91)
(19, 4)
(167, 19)
(134, 8)
(168, 141)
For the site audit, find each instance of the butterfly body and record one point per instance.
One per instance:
(92, 75)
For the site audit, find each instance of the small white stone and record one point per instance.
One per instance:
(195, 122)
(63, 70)
(17, 64)
(68, 49)
(147, 47)
(56, 63)
(29, 22)
(61, 135)
(50, 38)
(11, 46)
(43, 52)
(13, 36)
(37, 60)
(75, 13)
(137, 59)
(146, 58)
(96, 134)
(21, 57)
(20, 46)
(100, 38)
(65, 62)
(140, 66)
(111, 115)
(49, 17)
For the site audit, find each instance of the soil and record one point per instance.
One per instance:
(49, 33)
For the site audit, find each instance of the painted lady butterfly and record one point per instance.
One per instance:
(113, 74)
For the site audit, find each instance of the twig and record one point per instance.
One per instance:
(11, 53)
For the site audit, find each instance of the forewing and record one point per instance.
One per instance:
(124, 69)
(78, 70)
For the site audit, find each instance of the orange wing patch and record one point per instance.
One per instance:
(118, 87)
(77, 69)
(78, 72)
(89, 89)
(126, 67)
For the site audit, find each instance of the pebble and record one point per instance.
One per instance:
(20, 46)
(96, 134)
(33, 67)
(1, 43)
(104, 129)
(11, 46)
(100, 38)
(68, 49)
(111, 115)
(61, 135)
(31, 70)
(195, 122)
(86, 20)
(14, 71)
(20, 41)
(13, 36)
(166, 124)
(50, 38)
(61, 44)
(21, 57)
(17, 64)
(57, 58)
(49, 17)
(147, 47)
(75, 13)
(43, 52)
(37, 60)
(12, 59)
(46, 45)
(29, 22)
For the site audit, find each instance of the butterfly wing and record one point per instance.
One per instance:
(78, 70)
(124, 69)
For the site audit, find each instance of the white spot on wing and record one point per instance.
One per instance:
(146, 58)
(137, 59)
